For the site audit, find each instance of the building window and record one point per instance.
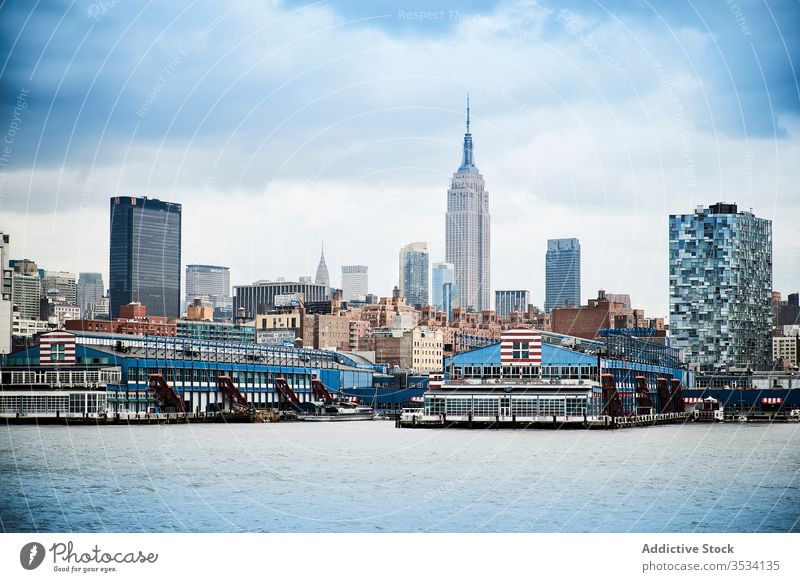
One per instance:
(57, 353)
(521, 350)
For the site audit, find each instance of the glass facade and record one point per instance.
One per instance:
(414, 273)
(145, 255)
(441, 274)
(720, 274)
(562, 273)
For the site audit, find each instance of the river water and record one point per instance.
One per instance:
(373, 477)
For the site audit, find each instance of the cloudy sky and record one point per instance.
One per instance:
(280, 124)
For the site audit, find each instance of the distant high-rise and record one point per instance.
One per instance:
(212, 282)
(720, 287)
(562, 273)
(467, 231)
(89, 291)
(145, 255)
(322, 278)
(65, 283)
(26, 289)
(414, 273)
(354, 282)
(506, 302)
(450, 299)
(441, 273)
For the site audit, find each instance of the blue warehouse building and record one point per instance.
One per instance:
(190, 367)
(570, 358)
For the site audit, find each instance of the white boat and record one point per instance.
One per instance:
(794, 415)
(709, 410)
(321, 412)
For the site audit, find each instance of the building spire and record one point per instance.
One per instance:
(322, 277)
(467, 112)
(467, 163)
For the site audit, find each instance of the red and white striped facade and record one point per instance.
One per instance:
(50, 354)
(510, 337)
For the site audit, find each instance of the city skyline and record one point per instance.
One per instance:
(598, 132)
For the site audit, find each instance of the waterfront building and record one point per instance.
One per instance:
(322, 277)
(26, 290)
(213, 283)
(414, 273)
(62, 282)
(145, 255)
(562, 273)
(441, 274)
(355, 283)
(260, 296)
(95, 374)
(467, 231)
(507, 302)
(89, 292)
(6, 287)
(720, 282)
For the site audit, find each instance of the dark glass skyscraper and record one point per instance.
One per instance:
(562, 273)
(145, 255)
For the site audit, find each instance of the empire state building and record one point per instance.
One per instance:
(467, 234)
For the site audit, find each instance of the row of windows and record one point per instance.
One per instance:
(36, 404)
(565, 372)
(507, 406)
(198, 376)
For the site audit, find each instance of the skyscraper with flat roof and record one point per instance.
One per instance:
(467, 231)
(354, 282)
(562, 273)
(89, 291)
(145, 255)
(720, 287)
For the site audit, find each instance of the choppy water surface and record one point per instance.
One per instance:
(372, 477)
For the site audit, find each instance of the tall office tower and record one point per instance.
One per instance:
(322, 278)
(506, 302)
(65, 283)
(6, 309)
(562, 273)
(212, 282)
(467, 231)
(90, 291)
(145, 255)
(720, 287)
(354, 282)
(26, 289)
(414, 273)
(440, 274)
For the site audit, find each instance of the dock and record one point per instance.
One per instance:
(541, 422)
